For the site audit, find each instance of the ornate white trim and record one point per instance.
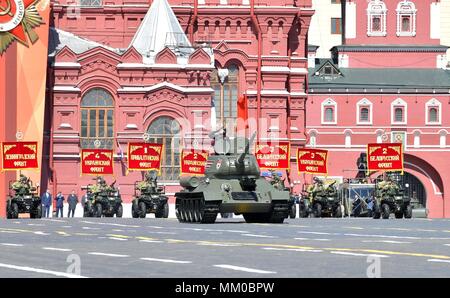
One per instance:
(396, 104)
(376, 8)
(364, 103)
(433, 103)
(326, 104)
(406, 8)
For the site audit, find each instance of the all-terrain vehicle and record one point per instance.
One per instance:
(23, 198)
(322, 199)
(149, 198)
(232, 184)
(357, 196)
(390, 198)
(102, 200)
(278, 183)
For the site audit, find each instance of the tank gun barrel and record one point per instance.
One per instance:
(247, 149)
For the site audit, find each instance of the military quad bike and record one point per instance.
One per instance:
(321, 201)
(390, 198)
(357, 195)
(232, 184)
(23, 199)
(149, 198)
(278, 183)
(102, 201)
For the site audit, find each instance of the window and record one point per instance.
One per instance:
(336, 25)
(376, 18)
(399, 113)
(433, 112)
(225, 83)
(406, 18)
(97, 119)
(364, 112)
(328, 71)
(165, 130)
(90, 2)
(329, 111)
(329, 114)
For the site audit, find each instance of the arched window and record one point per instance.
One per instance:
(433, 112)
(433, 115)
(165, 130)
(225, 83)
(329, 111)
(376, 18)
(406, 18)
(364, 117)
(97, 119)
(329, 115)
(399, 114)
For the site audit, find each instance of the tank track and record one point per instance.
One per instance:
(279, 212)
(195, 210)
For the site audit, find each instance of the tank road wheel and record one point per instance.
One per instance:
(142, 210)
(317, 210)
(200, 210)
(177, 209)
(190, 210)
(98, 210)
(194, 211)
(14, 211)
(385, 211)
(408, 212)
(183, 210)
(119, 211)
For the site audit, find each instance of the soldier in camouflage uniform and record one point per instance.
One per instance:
(276, 181)
(22, 186)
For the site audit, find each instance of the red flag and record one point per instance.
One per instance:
(242, 111)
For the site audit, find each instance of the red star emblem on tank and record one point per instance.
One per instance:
(18, 18)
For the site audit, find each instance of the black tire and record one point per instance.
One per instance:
(37, 212)
(385, 211)
(399, 215)
(303, 212)
(142, 210)
(376, 213)
(135, 210)
(98, 210)
(254, 217)
(14, 211)
(408, 212)
(338, 212)
(317, 210)
(293, 211)
(166, 210)
(119, 211)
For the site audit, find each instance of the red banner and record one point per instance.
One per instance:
(144, 156)
(273, 155)
(385, 157)
(193, 162)
(312, 161)
(97, 162)
(19, 156)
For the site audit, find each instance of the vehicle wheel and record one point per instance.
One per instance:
(293, 211)
(14, 211)
(385, 211)
(142, 210)
(98, 210)
(135, 210)
(408, 212)
(166, 210)
(302, 212)
(317, 210)
(338, 212)
(376, 211)
(399, 215)
(119, 211)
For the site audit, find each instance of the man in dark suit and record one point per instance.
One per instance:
(72, 199)
(59, 204)
(46, 201)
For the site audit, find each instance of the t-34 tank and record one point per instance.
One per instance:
(232, 184)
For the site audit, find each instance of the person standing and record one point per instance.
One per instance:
(46, 201)
(59, 204)
(72, 199)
